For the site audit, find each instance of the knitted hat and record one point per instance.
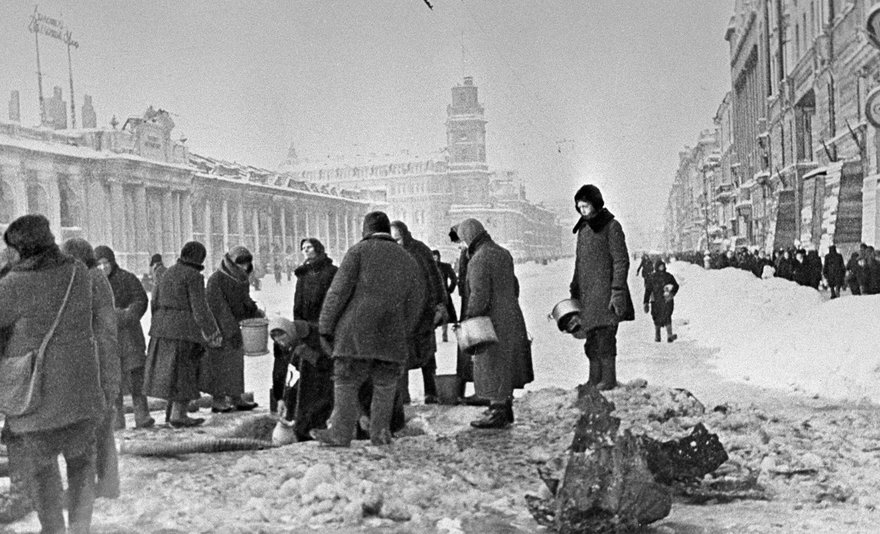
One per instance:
(192, 252)
(155, 258)
(240, 255)
(589, 193)
(316, 244)
(80, 249)
(103, 252)
(469, 229)
(376, 222)
(29, 235)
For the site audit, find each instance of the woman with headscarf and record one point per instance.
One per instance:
(182, 326)
(221, 372)
(45, 293)
(493, 291)
(104, 328)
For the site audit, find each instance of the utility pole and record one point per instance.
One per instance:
(72, 98)
(35, 29)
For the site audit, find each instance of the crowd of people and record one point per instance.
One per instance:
(72, 342)
(860, 273)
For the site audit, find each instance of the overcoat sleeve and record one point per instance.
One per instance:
(131, 314)
(199, 306)
(479, 288)
(619, 256)
(340, 292)
(220, 309)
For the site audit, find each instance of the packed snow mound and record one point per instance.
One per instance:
(778, 334)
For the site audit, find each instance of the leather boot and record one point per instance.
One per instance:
(119, 423)
(142, 417)
(595, 372)
(496, 418)
(510, 411)
(657, 333)
(609, 374)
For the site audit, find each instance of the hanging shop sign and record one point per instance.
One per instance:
(51, 27)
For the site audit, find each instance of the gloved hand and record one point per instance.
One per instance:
(618, 302)
(574, 324)
(440, 315)
(216, 340)
(647, 308)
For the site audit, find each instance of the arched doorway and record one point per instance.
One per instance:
(38, 201)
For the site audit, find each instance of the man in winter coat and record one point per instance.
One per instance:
(131, 302)
(834, 271)
(369, 315)
(599, 283)
(42, 287)
(157, 268)
(447, 276)
(423, 344)
(659, 300)
(494, 293)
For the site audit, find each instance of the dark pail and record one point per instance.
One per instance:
(448, 388)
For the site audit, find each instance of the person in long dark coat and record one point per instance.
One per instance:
(854, 274)
(74, 396)
(659, 300)
(105, 331)
(221, 372)
(313, 392)
(369, 314)
(646, 267)
(464, 364)
(182, 325)
(800, 271)
(131, 301)
(814, 268)
(599, 283)
(450, 281)
(423, 344)
(834, 271)
(493, 291)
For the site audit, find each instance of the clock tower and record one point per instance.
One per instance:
(466, 129)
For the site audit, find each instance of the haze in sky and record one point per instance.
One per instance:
(602, 91)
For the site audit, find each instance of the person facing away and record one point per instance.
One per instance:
(182, 326)
(372, 309)
(104, 328)
(659, 300)
(450, 281)
(646, 267)
(493, 292)
(834, 271)
(157, 268)
(221, 372)
(41, 288)
(599, 284)
(131, 302)
(423, 343)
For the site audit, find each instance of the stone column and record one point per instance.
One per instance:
(339, 246)
(186, 217)
(140, 248)
(167, 224)
(19, 192)
(224, 209)
(49, 180)
(284, 229)
(270, 220)
(208, 242)
(308, 225)
(255, 221)
(176, 226)
(240, 219)
(118, 215)
(326, 217)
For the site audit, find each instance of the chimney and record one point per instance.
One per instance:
(14, 107)
(89, 119)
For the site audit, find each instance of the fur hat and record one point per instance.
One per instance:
(193, 252)
(103, 252)
(29, 235)
(316, 244)
(155, 258)
(80, 249)
(240, 255)
(469, 229)
(401, 227)
(589, 193)
(376, 222)
(453, 235)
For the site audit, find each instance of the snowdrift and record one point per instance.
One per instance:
(777, 334)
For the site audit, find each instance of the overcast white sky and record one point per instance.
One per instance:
(630, 82)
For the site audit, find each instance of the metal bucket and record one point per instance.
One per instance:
(255, 336)
(563, 311)
(476, 333)
(448, 388)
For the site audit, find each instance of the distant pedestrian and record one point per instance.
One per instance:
(800, 271)
(834, 271)
(130, 301)
(599, 283)
(47, 294)
(659, 300)
(447, 274)
(221, 371)
(493, 292)
(157, 268)
(423, 343)
(854, 276)
(182, 325)
(646, 267)
(371, 311)
(276, 270)
(785, 266)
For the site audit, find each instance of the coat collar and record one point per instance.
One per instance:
(313, 265)
(197, 266)
(596, 223)
(481, 239)
(382, 236)
(48, 259)
(232, 270)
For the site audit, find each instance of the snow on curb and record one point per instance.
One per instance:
(777, 334)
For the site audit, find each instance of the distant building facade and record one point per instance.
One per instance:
(803, 160)
(141, 192)
(432, 193)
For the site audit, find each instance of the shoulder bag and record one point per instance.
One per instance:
(21, 377)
